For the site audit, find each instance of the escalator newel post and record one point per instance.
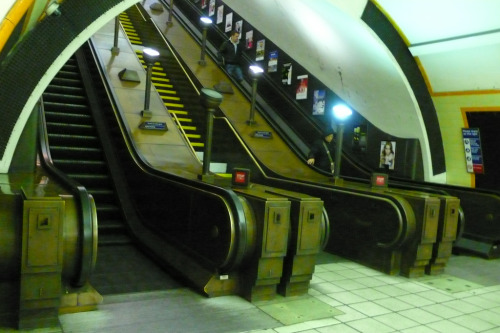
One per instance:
(341, 112)
(149, 57)
(211, 100)
(115, 50)
(205, 23)
(255, 72)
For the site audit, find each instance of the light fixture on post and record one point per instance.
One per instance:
(205, 23)
(149, 56)
(211, 100)
(341, 112)
(255, 73)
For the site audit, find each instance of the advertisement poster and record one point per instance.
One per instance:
(229, 22)
(211, 8)
(203, 4)
(286, 74)
(387, 154)
(473, 151)
(220, 14)
(301, 92)
(259, 52)
(319, 102)
(272, 65)
(249, 39)
(239, 27)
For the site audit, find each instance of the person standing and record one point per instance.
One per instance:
(322, 153)
(231, 53)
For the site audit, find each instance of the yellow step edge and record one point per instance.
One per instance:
(160, 79)
(197, 144)
(193, 136)
(178, 112)
(189, 128)
(163, 85)
(174, 105)
(165, 91)
(185, 120)
(129, 33)
(170, 98)
(159, 74)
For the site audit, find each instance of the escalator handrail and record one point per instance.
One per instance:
(88, 222)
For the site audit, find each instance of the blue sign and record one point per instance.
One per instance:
(473, 151)
(262, 134)
(153, 125)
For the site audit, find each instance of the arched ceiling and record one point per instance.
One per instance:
(457, 43)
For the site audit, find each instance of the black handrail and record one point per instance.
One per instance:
(88, 223)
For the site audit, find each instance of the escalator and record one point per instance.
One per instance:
(481, 233)
(75, 149)
(343, 205)
(151, 233)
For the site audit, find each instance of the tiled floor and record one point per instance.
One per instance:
(344, 297)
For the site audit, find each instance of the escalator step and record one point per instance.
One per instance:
(63, 89)
(60, 128)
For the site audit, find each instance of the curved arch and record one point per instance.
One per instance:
(36, 59)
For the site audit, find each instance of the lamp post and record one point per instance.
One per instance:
(115, 50)
(341, 113)
(205, 23)
(149, 56)
(211, 100)
(170, 13)
(255, 73)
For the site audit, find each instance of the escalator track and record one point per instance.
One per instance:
(76, 150)
(168, 77)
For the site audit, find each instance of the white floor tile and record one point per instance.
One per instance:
(370, 325)
(370, 309)
(396, 321)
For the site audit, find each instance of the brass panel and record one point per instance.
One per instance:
(40, 286)
(451, 219)
(43, 237)
(269, 270)
(309, 235)
(430, 223)
(277, 227)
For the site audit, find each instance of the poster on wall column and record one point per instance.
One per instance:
(229, 22)
(249, 39)
(301, 92)
(286, 74)
(259, 52)
(272, 65)
(319, 102)
(387, 154)
(211, 8)
(220, 14)
(238, 26)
